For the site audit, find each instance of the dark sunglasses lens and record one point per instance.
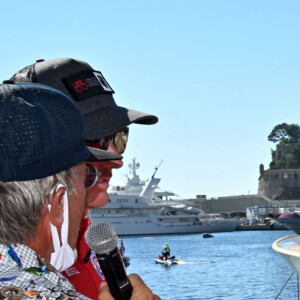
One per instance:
(120, 140)
(91, 176)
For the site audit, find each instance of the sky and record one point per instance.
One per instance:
(218, 74)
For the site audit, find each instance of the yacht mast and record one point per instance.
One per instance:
(156, 168)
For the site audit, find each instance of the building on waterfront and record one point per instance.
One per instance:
(278, 186)
(260, 213)
(231, 206)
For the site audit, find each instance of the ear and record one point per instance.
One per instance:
(57, 207)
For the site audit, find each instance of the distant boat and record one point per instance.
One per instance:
(133, 209)
(207, 235)
(290, 220)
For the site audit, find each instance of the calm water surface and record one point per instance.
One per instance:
(233, 265)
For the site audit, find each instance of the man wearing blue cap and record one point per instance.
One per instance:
(42, 192)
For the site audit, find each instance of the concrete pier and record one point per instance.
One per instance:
(261, 227)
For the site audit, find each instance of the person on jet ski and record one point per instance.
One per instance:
(166, 251)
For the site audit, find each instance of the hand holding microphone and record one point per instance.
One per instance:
(102, 239)
(140, 290)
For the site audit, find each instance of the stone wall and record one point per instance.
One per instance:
(231, 205)
(280, 184)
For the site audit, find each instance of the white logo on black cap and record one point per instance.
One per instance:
(103, 82)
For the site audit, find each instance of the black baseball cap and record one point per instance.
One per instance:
(41, 133)
(91, 92)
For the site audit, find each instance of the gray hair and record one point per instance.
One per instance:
(21, 205)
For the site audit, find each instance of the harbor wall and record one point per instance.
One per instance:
(232, 205)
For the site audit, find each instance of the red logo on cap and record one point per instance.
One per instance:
(80, 85)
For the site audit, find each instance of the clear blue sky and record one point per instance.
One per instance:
(218, 74)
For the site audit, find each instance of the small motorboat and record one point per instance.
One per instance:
(165, 261)
(207, 235)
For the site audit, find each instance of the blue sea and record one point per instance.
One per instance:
(233, 265)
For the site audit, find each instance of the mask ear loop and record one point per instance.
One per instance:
(65, 225)
(64, 236)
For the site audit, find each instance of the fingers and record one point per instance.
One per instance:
(104, 292)
(140, 290)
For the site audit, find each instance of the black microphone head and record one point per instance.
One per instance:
(101, 238)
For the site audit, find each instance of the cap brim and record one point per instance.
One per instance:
(101, 155)
(108, 120)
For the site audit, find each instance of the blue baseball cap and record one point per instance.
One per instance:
(41, 133)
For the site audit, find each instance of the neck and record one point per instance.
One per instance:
(41, 243)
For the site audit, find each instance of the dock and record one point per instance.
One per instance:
(261, 227)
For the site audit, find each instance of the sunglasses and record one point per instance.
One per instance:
(119, 140)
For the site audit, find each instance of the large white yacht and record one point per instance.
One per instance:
(134, 208)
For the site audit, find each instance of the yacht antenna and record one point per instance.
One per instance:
(156, 168)
(134, 166)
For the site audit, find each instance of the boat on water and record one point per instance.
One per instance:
(167, 262)
(135, 208)
(290, 219)
(289, 248)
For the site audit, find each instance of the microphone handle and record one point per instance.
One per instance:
(113, 269)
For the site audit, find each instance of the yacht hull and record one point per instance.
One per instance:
(152, 226)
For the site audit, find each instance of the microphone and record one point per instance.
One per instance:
(102, 239)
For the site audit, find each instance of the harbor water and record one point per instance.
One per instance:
(233, 265)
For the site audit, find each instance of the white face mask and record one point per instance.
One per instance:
(63, 256)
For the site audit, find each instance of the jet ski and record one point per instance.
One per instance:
(168, 261)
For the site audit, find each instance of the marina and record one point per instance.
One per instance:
(239, 265)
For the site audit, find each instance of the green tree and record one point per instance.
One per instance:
(291, 162)
(295, 152)
(294, 132)
(285, 133)
(278, 133)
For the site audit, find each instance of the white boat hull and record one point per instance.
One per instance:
(289, 248)
(150, 225)
(167, 262)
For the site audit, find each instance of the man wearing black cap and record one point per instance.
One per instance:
(105, 128)
(42, 192)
